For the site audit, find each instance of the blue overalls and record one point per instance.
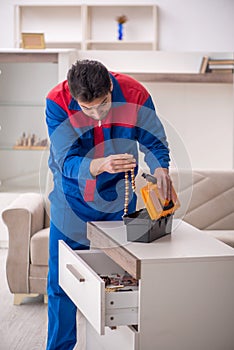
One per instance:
(78, 197)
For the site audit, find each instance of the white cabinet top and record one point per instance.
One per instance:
(185, 242)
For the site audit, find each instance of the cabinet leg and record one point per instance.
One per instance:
(18, 298)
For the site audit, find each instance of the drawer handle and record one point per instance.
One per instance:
(75, 273)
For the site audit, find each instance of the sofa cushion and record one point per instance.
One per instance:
(226, 236)
(39, 247)
(211, 206)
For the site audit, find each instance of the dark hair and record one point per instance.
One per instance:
(88, 80)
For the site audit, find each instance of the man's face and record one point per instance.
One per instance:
(98, 108)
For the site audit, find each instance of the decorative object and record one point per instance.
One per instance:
(121, 20)
(33, 40)
(30, 142)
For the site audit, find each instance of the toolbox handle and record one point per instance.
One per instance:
(149, 178)
(169, 206)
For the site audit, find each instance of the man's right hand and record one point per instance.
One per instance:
(115, 163)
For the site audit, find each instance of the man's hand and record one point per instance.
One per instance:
(115, 163)
(163, 182)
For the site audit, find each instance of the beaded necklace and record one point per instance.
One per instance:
(126, 196)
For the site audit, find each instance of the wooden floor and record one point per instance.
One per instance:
(22, 327)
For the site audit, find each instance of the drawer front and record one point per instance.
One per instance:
(122, 337)
(79, 277)
(82, 285)
(121, 307)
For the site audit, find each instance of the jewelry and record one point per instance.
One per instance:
(133, 180)
(126, 193)
(126, 197)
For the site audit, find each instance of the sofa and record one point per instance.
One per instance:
(207, 202)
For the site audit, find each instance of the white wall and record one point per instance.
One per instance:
(184, 25)
(201, 114)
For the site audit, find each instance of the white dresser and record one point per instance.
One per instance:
(184, 299)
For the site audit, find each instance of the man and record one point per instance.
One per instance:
(96, 119)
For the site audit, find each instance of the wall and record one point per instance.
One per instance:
(198, 117)
(201, 115)
(184, 25)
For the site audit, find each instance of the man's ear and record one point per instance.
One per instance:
(111, 86)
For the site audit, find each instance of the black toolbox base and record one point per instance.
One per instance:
(140, 227)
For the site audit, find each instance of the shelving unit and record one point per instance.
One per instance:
(89, 27)
(25, 80)
(208, 78)
(140, 30)
(161, 67)
(60, 21)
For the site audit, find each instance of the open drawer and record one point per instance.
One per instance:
(79, 277)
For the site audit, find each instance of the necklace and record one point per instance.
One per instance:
(133, 184)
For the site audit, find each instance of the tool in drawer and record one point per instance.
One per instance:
(156, 205)
(116, 282)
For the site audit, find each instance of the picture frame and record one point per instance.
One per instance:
(33, 40)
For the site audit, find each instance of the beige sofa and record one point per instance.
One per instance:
(27, 261)
(207, 202)
(211, 208)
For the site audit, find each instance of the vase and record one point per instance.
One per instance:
(120, 31)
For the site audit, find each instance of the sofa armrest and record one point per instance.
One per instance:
(23, 217)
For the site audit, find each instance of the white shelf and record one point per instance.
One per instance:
(63, 22)
(64, 44)
(118, 45)
(122, 42)
(141, 24)
(89, 26)
(22, 109)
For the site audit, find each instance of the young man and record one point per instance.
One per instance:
(96, 120)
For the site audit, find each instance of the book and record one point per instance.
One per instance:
(204, 65)
(221, 62)
(221, 67)
(224, 70)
